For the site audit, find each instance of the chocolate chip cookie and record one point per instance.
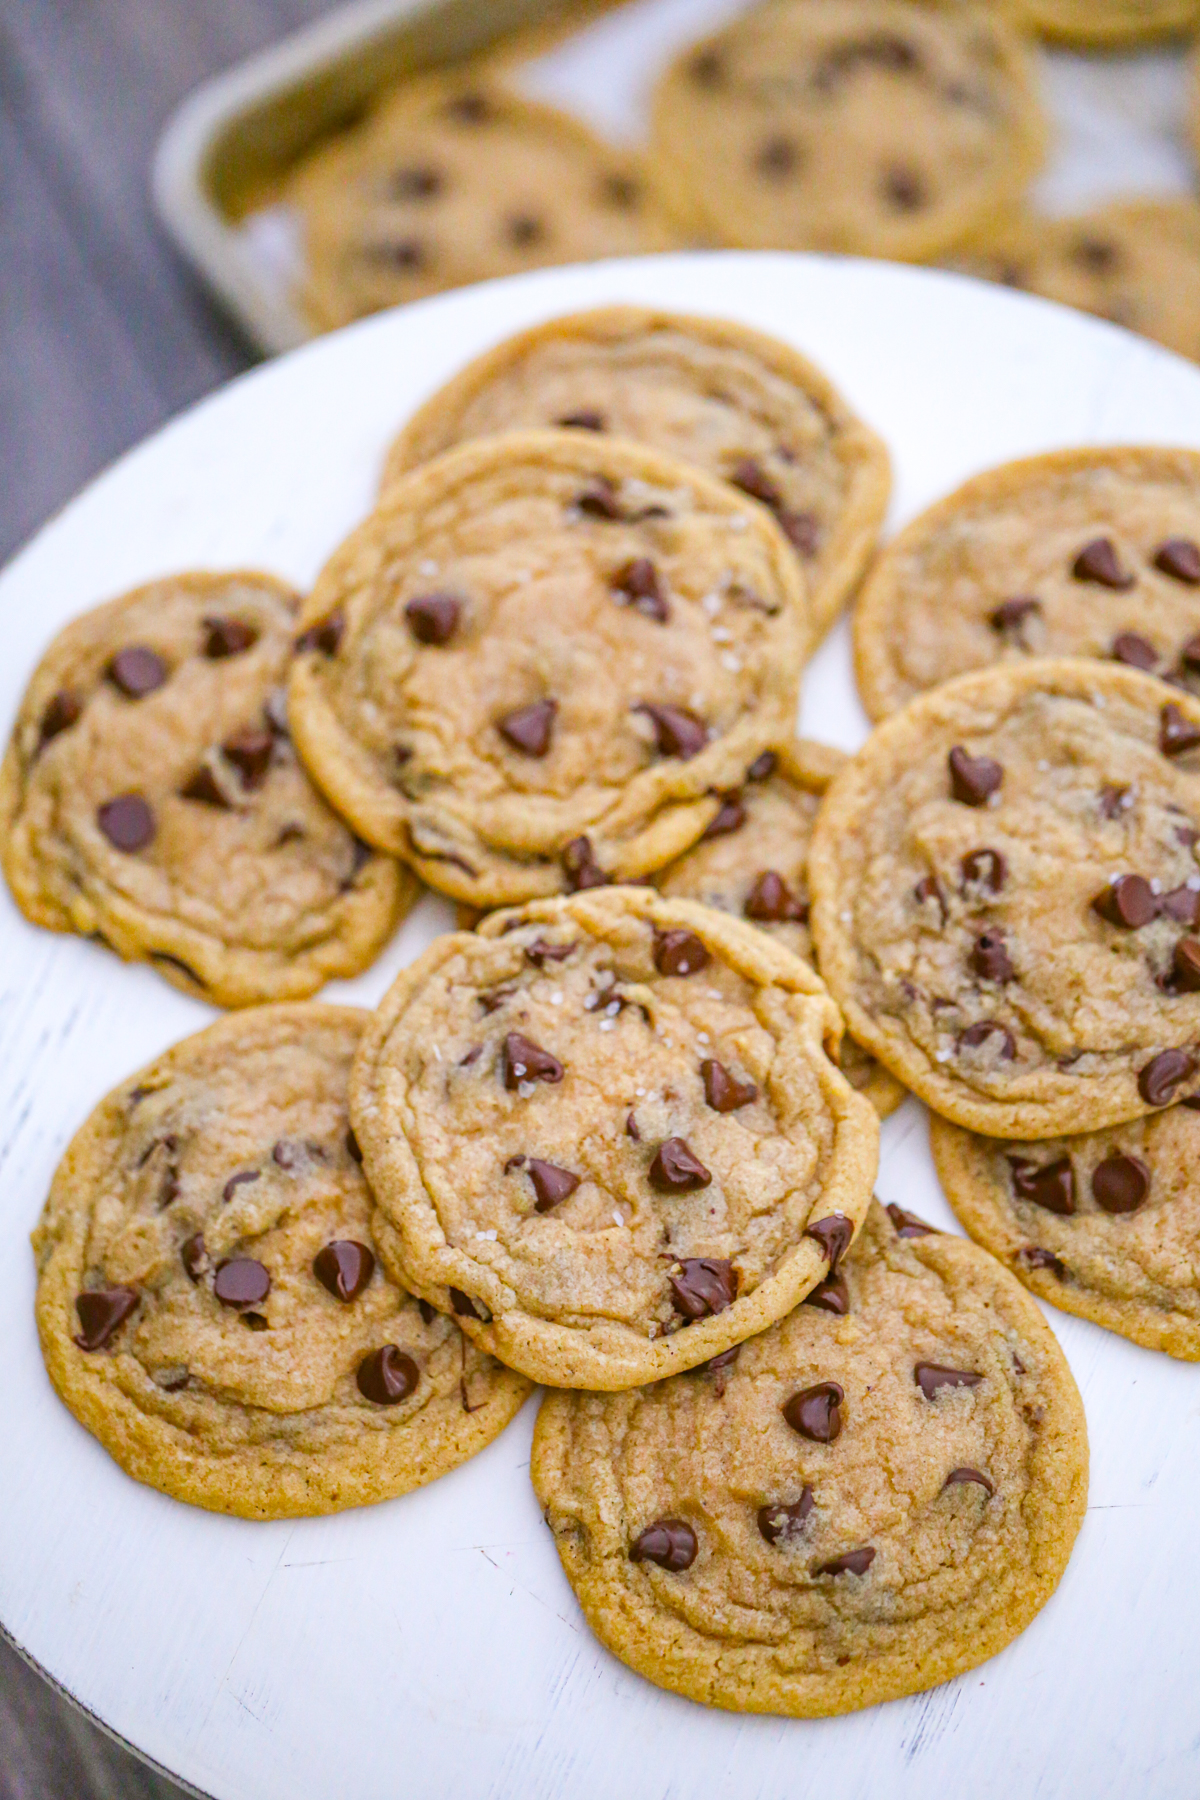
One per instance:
(1104, 1224)
(1005, 895)
(542, 658)
(1079, 553)
(455, 180)
(211, 1301)
(1134, 262)
(1104, 22)
(878, 1493)
(610, 1136)
(729, 400)
(869, 126)
(150, 796)
(752, 861)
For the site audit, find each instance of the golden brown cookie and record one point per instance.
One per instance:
(1079, 553)
(150, 796)
(752, 861)
(1104, 1225)
(879, 1492)
(537, 662)
(1004, 889)
(210, 1299)
(729, 400)
(608, 1134)
(870, 126)
(1104, 23)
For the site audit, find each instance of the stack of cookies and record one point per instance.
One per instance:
(621, 1138)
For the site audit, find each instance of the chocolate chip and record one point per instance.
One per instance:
(957, 1477)
(1120, 1183)
(801, 529)
(433, 618)
(418, 183)
(325, 635)
(344, 1267)
(835, 1235)
(904, 189)
(550, 1183)
(289, 1153)
(631, 1129)
(815, 1412)
(137, 671)
(360, 855)
(539, 953)
(1114, 801)
(523, 229)
(777, 157)
(1176, 733)
(236, 1181)
(1049, 1185)
(831, 1296)
(194, 1257)
(490, 1003)
(1099, 256)
(705, 1285)
(466, 1308)
(1181, 904)
(250, 753)
(470, 109)
(784, 1522)
(227, 637)
(599, 499)
(427, 1311)
(707, 69)
(753, 479)
(387, 1376)
(679, 952)
(771, 900)
(973, 778)
(984, 869)
(677, 732)
(1134, 651)
(580, 866)
(102, 1311)
(932, 1377)
(637, 584)
(1034, 1257)
(730, 816)
(1180, 558)
(585, 420)
(720, 1366)
(1186, 965)
(203, 787)
(241, 1281)
(1189, 656)
(530, 728)
(723, 1091)
(851, 1562)
(62, 711)
(675, 1170)
(908, 1225)
(126, 822)
(1162, 1075)
(515, 1162)
(1009, 617)
(523, 1060)
(763, 767)
(930, 888)
(990, 960)
(402, 255)
(1129, 901)
(1098, 561)
(982, 1033)
(671, 1543)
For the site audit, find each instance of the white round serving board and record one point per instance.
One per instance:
(431, 1647)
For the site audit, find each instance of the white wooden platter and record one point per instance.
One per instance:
(431, 1647)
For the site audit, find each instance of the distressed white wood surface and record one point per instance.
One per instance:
(431, 1646)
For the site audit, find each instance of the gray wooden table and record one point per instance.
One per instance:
(103, 336)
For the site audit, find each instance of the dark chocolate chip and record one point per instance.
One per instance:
(1134, 651)
(523, 1060)
(126, 822)
(227, 637)
(1010, 616)
(402, 255)
(203, 787)
(492, 1002)
(530, 728)
(679, 952)
(637, 583)
(958, 1477)
(985, 869)
(1098, 561)
(763, 767)
(1034, 1257)
(470, 109)
(524, 229)
(930, 888)
(720, 1366)
(137, 671)
(1099, 256)
(831, 1296)
(344, 1267)
(324, 636)
(250, 753)
(580, 866)
(723, 1091)
(433, 618)
(584, 420)
(387, 1376)
(771, 900)
(466, 1308)
(1120, 1183)
(704, 1286)
(550, 1183)
(675, 1170)
(707, 69)
(677, 732)
(784, 1522)
(671, 1543)
(599, 499)
(289, 1153)
(835, 1235)
(908, 1225)
(62, 711)
(194, 1257)
(777, 157)
(815, 1412)
(1180, 558)
(515, 1162)
(973, 778)
(240, 1281)
(254, 1321)
(932, 1377)
(851, 1562)
(102, 1311)
(1160, 1077)
(427, 1310)
(1181, 904)
(421, 182)
(1049, 1185)
(236, 1181)
(539, 953)
(801, 529)
(1186, 965)
(1114, 801)
(631, 1129)
(983, 1032)
(1128, 901)
(730, 816)
(1176, 733)
(990, 959)
(754, 480)
(904, 189)
(1189, 656)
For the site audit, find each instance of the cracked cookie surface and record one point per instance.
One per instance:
(211, 1303)
(603, 1130)
(731, 401)
(871, 1499)
(536, 663)
(150, 796)
(1005, 894)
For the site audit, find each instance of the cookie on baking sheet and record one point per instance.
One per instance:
(1105, 1224)
(457, 179)
(730, 400)
(1103, 22)
(608, 1134)
(150, 796)
(1133, 262)
(878, 1493)
(1079, 553)
(871, 126)
(1005, 892)
(752, 862)
(210, 1299)
(534, 666)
